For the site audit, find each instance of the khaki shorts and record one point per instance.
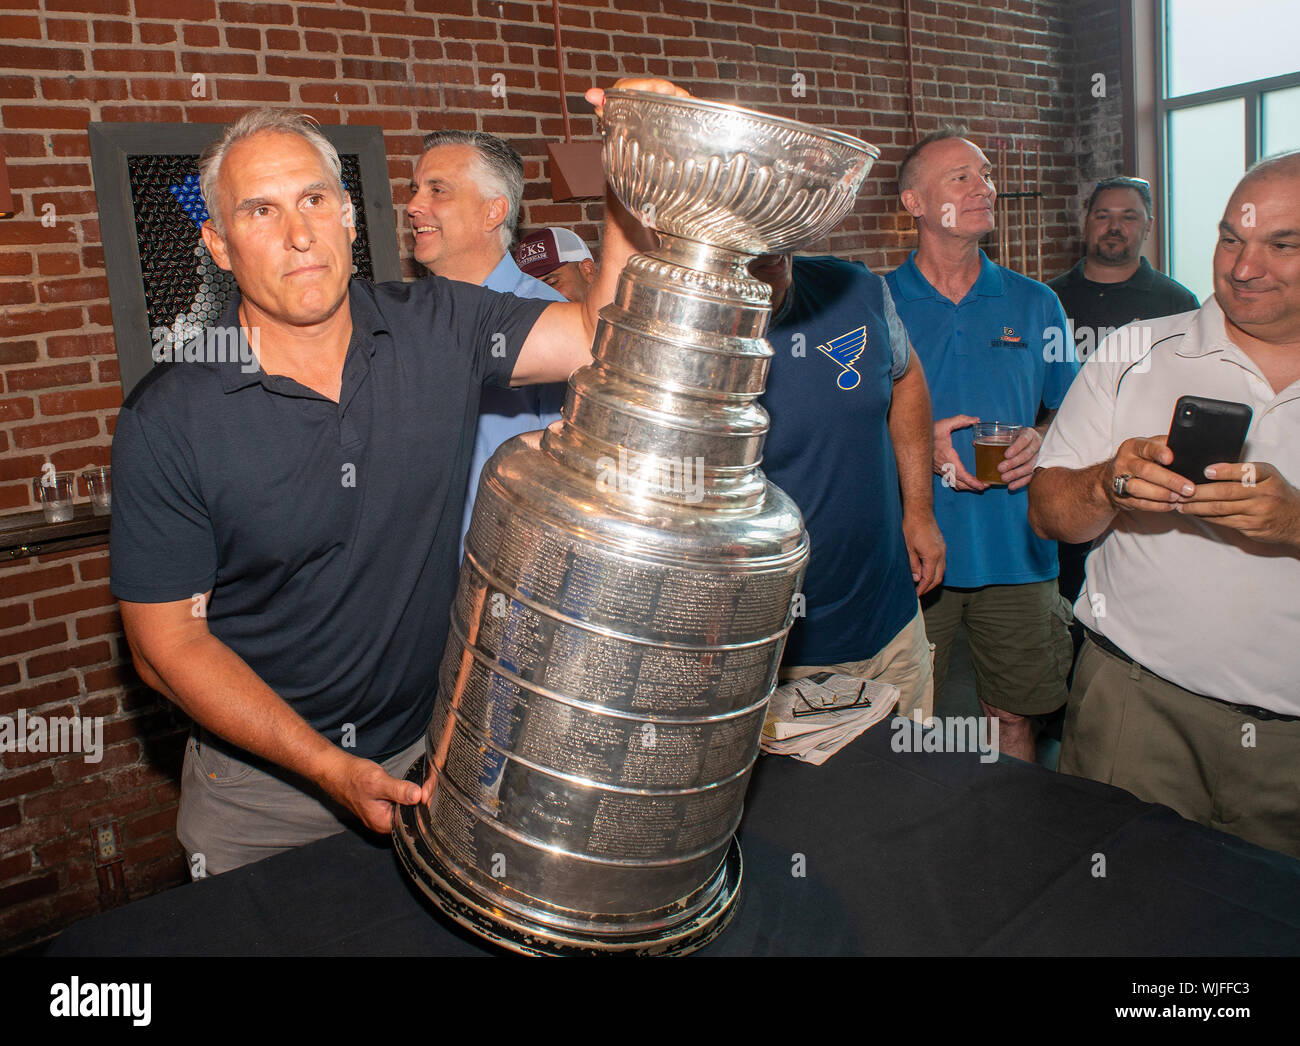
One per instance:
(233, 813)
(1019, 642)
(1210, 762)
(905, 661)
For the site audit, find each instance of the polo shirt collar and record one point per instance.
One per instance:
(915, 287)
(1208, 333)
(505, 277)
(366, 323)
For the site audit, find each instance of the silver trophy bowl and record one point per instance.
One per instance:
(629, 574)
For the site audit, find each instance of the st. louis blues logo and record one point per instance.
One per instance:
(845, 351)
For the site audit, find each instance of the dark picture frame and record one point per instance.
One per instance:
(112, 148)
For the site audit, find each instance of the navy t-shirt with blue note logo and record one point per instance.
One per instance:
(839, 348)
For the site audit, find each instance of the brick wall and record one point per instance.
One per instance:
(1099, 102)
(1003, 67)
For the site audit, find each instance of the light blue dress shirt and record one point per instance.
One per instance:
(503, 413)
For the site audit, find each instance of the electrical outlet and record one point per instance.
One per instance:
(105, 842)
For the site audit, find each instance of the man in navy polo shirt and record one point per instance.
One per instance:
(284, 539)
(464, 210)
(981, 330)
(851, 443)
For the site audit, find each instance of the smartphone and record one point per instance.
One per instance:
(1205, 431)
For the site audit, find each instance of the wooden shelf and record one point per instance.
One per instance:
(27, 534)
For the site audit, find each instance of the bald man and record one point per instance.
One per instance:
(1185, 693)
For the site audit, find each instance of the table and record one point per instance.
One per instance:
(904, 853)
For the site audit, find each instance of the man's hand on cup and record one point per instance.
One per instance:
(1137, 478)
(1251, 497)
(596, 95)
(1017, 467)
(946, 462)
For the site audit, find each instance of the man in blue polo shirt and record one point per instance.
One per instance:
(981, 331)
(851, 443)
(464, 210)
(284, 535)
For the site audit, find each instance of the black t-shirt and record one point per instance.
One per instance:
(327, 532)
(1095, 309)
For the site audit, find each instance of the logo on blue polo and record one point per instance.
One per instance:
(1010, 340)
(845, 351)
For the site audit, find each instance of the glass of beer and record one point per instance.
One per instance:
(992, 438)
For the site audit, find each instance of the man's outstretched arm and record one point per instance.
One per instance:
(176, 654)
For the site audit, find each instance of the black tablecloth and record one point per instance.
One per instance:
(903, 854)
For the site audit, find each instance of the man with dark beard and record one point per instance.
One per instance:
(1112, 285)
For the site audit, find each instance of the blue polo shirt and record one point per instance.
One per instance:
(984, 356)
(505, 412)
(325, 530)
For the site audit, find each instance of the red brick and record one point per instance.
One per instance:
(28, 57)
(15, 865)
(63, 688)
(104, 678)
(99, 625)
(47, 377)
(143, 114)
(108, 370)
(261, 14)
(17, 581)
(87, 288)
(61, 660)
(339, 94)
(154, 90)
(14, 614)
(100, 8)
(330, 18)
(69, 30)
(157, 33)
(34, 232)
(25, 784)
(149, 824)
(43, 176)
(60, 346)
(319, 43)
(92, 257)
(311, 68)
(9, 817)
(178, 10)
(202, 36)
(26, 889)
(81, 457)
(16, 408)
(134, 60)
(84, 597)
(219, 63)
(110, 32)
(15, 263)
(253, 90)
(245, 38)
(17, 294)
(58, 263)
(283, 40)
(113, 756)
(17, 86)
(57, 432)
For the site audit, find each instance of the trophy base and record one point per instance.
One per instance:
(528, 936)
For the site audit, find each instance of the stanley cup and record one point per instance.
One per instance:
(629, 574)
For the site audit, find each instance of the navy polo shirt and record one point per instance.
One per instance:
(829, 448)
(327, 532)
(985, 356)
(1102, 307)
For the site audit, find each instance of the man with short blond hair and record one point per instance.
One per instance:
(981, 333)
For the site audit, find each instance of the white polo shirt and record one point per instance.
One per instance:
(1204, 606)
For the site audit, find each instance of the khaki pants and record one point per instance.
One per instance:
(1208, 761)
(232, 813)
(1019, 642)
(905, 661)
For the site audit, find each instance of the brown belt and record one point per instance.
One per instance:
(1253, 711)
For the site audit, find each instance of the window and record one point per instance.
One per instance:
(1230, 95)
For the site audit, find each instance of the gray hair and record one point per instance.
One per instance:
(501, 171)
(908, 167)
(277, 121)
